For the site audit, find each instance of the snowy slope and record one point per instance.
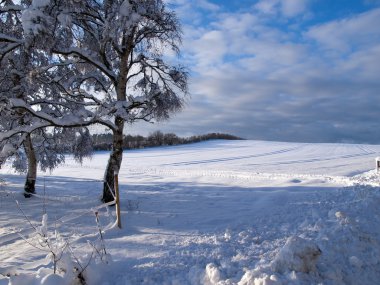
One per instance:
(219, 212)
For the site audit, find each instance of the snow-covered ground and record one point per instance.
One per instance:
(218, 212)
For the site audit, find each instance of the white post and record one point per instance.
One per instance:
(117, 199)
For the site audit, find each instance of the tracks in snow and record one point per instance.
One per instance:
(370, 178)
(233, 158)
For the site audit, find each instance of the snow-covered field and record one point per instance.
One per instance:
(218, 212)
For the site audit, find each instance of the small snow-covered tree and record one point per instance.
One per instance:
(23, 136)
(15, 63)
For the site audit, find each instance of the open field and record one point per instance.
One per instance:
(218, 212)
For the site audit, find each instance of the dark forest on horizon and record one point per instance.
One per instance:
(157, 138)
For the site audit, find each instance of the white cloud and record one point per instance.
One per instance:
(364, 64)
(348, 34)
(267, 6)
(236, 23)
(292, 8)
(207, 5)
(209, 49)
(286, 8)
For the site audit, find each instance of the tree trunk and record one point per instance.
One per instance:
(32, 167)
(114, 162)
(116, 156)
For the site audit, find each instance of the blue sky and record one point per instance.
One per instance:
(284, 70)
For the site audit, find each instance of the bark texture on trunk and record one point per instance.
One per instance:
(32, 168)
(114, 162)
(116, 156)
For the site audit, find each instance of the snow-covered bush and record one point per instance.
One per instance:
(64, 266)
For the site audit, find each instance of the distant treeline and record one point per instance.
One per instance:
(157, 138)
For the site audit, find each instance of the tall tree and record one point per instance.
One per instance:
(122, 45)
(108, 62)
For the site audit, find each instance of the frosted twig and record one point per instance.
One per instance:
(100, 233)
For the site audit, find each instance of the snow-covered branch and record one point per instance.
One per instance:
(66, 121)
(88, 58)
(9, 39)
(7, 49)
(23, 130)
(11, 8)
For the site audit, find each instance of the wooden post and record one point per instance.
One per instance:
(117, 199)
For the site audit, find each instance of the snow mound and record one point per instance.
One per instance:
(212, 275)
(249, 279)
(54, 279)
(298, 254)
